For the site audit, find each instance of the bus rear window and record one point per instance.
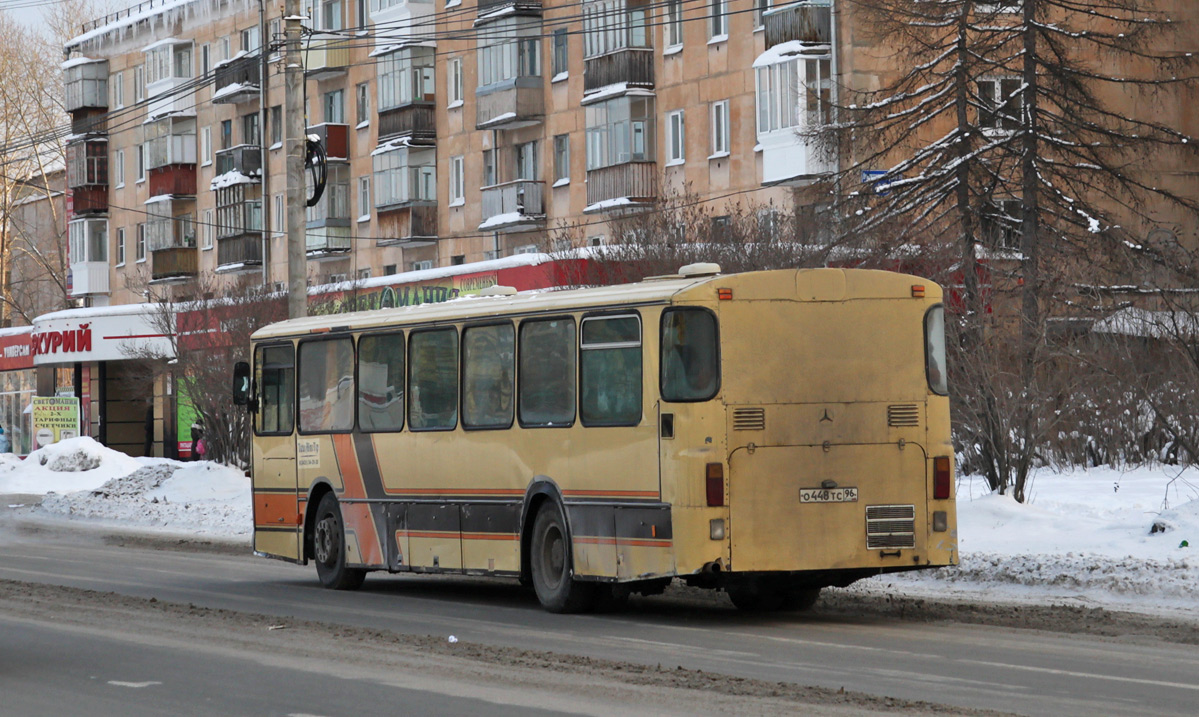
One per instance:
(275, 381)
(690, 367)
(611, 371)
(934, 350)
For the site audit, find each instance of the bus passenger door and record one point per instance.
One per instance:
(278, 520)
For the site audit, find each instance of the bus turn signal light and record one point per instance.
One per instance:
(941, 478)
(918, 291)
(724, 294)
(715, 484)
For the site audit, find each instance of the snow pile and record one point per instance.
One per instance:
(1126, 539)
(74, 464)
(180, 498)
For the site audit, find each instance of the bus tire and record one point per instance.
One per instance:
(800, 599)
(756, 596)
(550, 564)
(329, 548)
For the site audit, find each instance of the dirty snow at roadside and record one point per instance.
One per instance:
(82, 480)
(1084, 537)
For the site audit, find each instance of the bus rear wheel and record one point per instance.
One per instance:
(550, 565)
(329, 548)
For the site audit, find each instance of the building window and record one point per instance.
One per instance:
(526, 160)
(335, 107)
(561, 53)
(226, 51)
(280, 218)
(276, 122)
(139, 84)
(676, 138)
(88, 240)
(720, 128)
(364, 199)
(206, 145)
(760, 8)
(674, 23)
(510, 48)
(718, 12)
(457, 260)
(1001, 101)
(620, 130)
(249, 129)
(141, 242)
(119, 173)
(422, 265)
(205, 59)
(141, 162)
(457, 181)
(250, 39)
(610, 25)
(226, 134)
(405, 175)
(121, 247)
(168, 62)
(489, 168)
(1000, 224)
(208, 231)
(237, 213)
(454, 81)
(274, 31)
(389, 269)
(364, 103)
(118, 90)
(405, 76)
(561, 158)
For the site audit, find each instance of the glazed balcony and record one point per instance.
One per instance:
(328, 242)
(633, 66)
(808, 22)
(626, 185)
(237, 80)
(411, 226)
(245, 159)
(513, 206)
(335, 138)
(416, 120)
(87, 175)
(85, 84)
(510, 105)
(326, 56)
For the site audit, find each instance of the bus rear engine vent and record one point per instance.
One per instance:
(890, 526)
(903, 414)
(749, 419)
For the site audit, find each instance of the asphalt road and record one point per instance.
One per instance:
(1022, 671)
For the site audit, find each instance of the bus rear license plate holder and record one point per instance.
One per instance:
(828, 495)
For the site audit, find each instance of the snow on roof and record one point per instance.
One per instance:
(16, 330)
(76, 61)
(500, 220)
(93, 311)
(787, 51)
(608, 204)
(240, 54)
(233, 89)
(617, 89)
(1149, 324)
(230, 178)
(167, 41)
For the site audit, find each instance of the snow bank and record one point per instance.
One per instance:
(70, 465)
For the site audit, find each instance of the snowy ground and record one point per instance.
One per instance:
(1084, 537)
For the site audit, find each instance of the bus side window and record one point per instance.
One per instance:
(275, 379)
(327, 385)
(488, 374)
(690, 366)
(934, 350)
(381, 382)
(433, 379)
(610, 359)
(547, 372)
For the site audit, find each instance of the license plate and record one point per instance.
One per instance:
(828, 495)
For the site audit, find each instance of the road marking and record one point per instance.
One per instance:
(134, 685)
(1071, 673)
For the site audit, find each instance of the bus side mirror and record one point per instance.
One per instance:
(241, 383)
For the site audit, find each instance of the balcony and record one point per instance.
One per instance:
(633, 66)
(89, 200)
(326, 57)
(416, 120)
(622, 186)
(174, 179)
(89, 277)
(807, 22)
(85, 84)
(335, 138)
(245, 159)
(239, 253)
(521, 7)
(513, 104)
(237, 80)
(87, 163)
(513, 206)
(328, 242)
(89, 121)
(174, 264)
(412, 226)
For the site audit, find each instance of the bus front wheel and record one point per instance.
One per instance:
(550, 565)
(329, 548)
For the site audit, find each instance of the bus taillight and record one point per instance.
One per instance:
(941, 478)
(715, 484)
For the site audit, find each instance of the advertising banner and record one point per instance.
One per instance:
(55, 418)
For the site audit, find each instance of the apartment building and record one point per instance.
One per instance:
(454, 133)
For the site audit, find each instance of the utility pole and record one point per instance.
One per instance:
(263, 153)
(295, 146)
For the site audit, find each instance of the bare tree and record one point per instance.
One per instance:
(1006, 132)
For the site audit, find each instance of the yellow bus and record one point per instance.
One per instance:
(768, 433)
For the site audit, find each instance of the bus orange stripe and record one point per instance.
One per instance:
(457, 491)
(429, 534)
(613, 493)
(490, 536)
(625, 541)
(275, 510)
(359, 515)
